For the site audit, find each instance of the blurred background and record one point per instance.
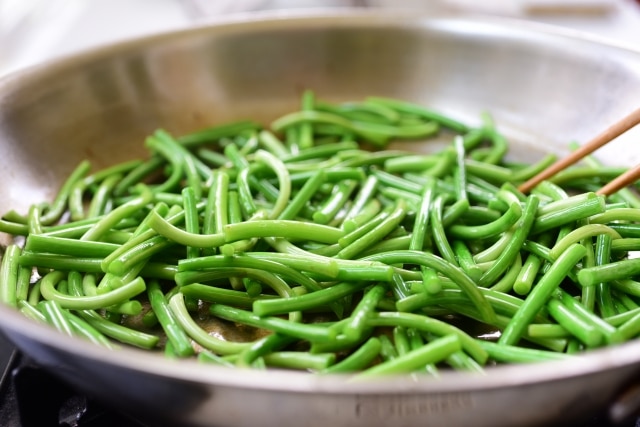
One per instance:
(33, 31)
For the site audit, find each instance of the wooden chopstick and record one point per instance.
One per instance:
(624, 180)
(598, 141)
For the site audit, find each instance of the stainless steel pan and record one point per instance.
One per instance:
(543, 87)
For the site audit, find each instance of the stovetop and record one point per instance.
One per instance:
(31, 397)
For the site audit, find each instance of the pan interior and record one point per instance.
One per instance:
(542, 88)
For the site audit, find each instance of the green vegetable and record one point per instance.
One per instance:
(298, 246)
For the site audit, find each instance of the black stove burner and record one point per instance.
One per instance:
(31, 397)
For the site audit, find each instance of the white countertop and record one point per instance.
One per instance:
(32, 31)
